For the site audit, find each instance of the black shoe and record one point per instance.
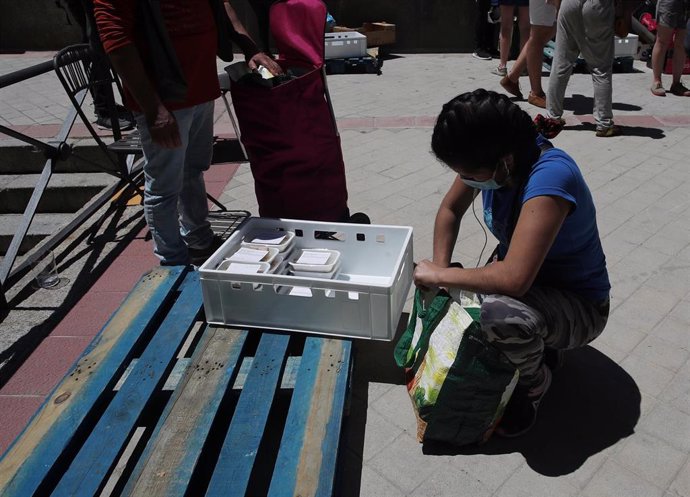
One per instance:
(481, 54)
(359, 218)
(198, 256)
(553, 358)
(521, 411)
(125, 119)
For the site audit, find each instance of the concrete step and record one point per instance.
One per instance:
(65, 192)
(18, 158)
(42, 226)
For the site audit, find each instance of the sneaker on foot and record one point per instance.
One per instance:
(537, 100)
(608, 132)
(500, 71)
(521, 411)
(481, 54)
(124, 116)
(198, 256)
(512, 87)
(549, 126)
(658, 89)
(680, 90)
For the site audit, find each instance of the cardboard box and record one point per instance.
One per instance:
(377, 33)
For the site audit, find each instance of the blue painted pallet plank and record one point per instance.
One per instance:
(172, 453)
(237, 456)
(100, 451)
(308, 451)
(30, 458)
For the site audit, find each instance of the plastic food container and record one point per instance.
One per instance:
(363, 298)
(279, 239)
(253, 254)
(315, 261)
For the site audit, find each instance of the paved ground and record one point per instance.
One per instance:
(617, 420)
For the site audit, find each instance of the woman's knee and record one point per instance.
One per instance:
(494, 314)
(503, 317)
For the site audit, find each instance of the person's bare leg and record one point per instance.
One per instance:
(661, 45)
(678, 55)
(524, 26)
(506, 33)
(539, 37)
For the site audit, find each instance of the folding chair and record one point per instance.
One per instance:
(74, 69)
(224, 82)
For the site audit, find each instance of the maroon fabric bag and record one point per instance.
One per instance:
(289, 130)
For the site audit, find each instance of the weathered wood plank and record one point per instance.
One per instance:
(28, 461)
(232, 472)
(287, 382)
(99, 452)
(173, 452)
(305, 466)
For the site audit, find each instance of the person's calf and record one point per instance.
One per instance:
(521, 412)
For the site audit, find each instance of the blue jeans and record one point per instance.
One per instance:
(175, 204)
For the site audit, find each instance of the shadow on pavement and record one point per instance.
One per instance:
(653, 133)
(93, 250)
(592, 404)
(581, 104)
(373, 363)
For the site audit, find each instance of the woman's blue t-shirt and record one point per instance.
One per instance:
(576, 261)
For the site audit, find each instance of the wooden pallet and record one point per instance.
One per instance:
(162, 404)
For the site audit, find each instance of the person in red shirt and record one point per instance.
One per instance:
(176, 133)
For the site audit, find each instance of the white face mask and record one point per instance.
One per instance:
(489, 184)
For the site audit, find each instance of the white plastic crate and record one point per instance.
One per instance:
(345, 45)
(626, 47)
(364, 299)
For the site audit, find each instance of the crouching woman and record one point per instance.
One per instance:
(547, 287)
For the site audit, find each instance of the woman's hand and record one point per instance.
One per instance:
(263, 59)
(427, 274)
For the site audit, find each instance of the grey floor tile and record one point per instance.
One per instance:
(670, 425)
(527, 483)
(396, 406)
(375, 485)
(452, 479)
(403, 463)
(680, 487)
(677, 392)
(650, 378)
(613, 480)
(650, 458)
(662, 353)
(380, 433)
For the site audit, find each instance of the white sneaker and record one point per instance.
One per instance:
(500, 71)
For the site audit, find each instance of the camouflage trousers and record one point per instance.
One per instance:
(543, 317)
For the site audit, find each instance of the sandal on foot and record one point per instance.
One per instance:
(658, 89)
(512, 87)
(680, 90)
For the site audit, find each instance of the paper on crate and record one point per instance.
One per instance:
(314, 257)
(246, 254)
(267, 238)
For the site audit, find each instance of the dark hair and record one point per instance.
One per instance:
(476, 129)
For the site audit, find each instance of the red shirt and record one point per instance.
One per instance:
(191, 29)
